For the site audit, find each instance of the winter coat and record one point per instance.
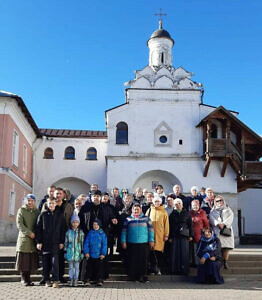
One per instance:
(74, 241)
(67, 209)
(226, 217)
(160, 222)
(209, 247)
(25, 221)
(90, 212)
(137, 230)
(179, 222)
(50, 230)
(200, 221)
(95, 243)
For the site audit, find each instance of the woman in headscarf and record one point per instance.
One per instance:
(221, 218)
(200, 221)
(180, 233)
(26, 257)
(209, 253)
(159, 218)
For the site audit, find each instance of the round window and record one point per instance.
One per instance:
(163, 139)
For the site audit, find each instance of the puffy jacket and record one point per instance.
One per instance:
(74, 241)
(137, 230)
(95, 243)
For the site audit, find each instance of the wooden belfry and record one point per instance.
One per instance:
(227, 139)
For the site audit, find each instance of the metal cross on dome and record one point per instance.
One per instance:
(160, 15)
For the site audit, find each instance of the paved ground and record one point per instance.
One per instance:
(232, 289)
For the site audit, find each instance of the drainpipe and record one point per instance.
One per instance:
(2, 135)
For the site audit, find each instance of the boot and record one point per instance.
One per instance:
(226, 266)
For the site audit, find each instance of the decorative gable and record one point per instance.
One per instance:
(163, 135)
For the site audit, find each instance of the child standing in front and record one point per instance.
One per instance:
(74, 241)
(95, 249)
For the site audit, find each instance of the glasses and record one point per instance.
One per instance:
(217, 201)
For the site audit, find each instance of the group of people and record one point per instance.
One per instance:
(153, 233)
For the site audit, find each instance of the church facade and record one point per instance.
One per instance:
(163, 133)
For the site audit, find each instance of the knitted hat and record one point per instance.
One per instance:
(98, 222)
(75, 218)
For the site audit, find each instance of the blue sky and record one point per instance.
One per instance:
(69, 60)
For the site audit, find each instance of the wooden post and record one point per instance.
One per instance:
(228, 141)
(243, 155)
(207, 166)
(223, 171)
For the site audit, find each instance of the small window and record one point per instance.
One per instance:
(91, 154)
(70, 153)
(48, 153)
(12, 203)
(163, 139)
(121, 133)
(25, 159)
(180, 142)
(15, 149)
(162, 58)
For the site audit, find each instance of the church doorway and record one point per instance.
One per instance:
(75, 185)
(151, 178)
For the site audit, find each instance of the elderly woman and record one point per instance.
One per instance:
(200, 221)
(194, 196)
(208, 201)
(26, 259)
(221, 218)
(159, 218)
(209, 253)
(180, 233)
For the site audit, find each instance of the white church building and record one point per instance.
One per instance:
(163, 133)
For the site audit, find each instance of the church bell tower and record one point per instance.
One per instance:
(160, 48)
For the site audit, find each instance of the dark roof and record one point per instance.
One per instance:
(161, 33)
(73, 133)
(24, 109)
(233, 118)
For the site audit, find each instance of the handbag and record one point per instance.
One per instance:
(184, 231)
(226, 231)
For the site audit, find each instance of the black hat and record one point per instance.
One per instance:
(96, 193)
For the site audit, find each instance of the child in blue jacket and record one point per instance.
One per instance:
(95, 250)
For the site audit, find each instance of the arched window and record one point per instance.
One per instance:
(91, 153)
(214, 131)
(69, 153)
(48, 153)
(121, 133)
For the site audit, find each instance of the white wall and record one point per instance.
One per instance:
(49, 171)
(250, 203)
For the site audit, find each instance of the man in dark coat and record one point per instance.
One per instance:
(50, 237)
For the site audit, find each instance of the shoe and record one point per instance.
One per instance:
(71, 283)
(30, 283)
(87, 283)
(158, 273)
(42, 282)
(75, 283)
(226, 266)
(145, 279)
(55, 284)
(99, 283)
(24, 283)
(48, 284)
